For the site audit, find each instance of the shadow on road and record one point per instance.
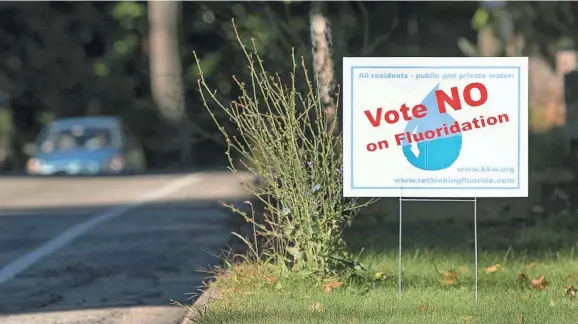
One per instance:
(145, 257)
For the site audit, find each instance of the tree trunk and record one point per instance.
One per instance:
(321, 42)
(8, 155)
(166, 70)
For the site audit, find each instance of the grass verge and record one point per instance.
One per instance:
(438, 276)
(438, 289)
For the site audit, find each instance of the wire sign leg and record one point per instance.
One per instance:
(476, 250)
(399, 279)
(475, 201)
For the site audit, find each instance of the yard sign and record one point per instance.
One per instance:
(435, 127)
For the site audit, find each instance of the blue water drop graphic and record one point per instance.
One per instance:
(438, 153)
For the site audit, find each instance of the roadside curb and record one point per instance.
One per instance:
(200, 306)
(236, 245)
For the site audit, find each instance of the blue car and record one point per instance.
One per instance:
(85, 146)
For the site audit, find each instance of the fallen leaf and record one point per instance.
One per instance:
(530, 265)
(552, 304)
(522, 319)
(494, 268)
(467, 319)
(449, 277)
(570, 291)
(424, 309)
(522, 277)
(316, 307)
(379, 275)
(270, 278)
(539, 283)
(328, 287)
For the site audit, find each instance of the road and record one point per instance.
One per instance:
(109, 250)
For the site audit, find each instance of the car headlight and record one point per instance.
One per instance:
(33, 165)
(117, 163)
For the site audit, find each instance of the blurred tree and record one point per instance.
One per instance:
(67, 59)
(75, 58)
(322, 51)
(523, 28)
(6, 132)
(166, 72)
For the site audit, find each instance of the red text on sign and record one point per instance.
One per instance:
(392, 116)
(455, 102)
(419, 111)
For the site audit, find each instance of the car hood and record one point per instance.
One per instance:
(99, 155)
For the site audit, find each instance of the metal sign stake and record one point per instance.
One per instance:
(475, 201)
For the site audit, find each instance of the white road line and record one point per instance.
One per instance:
(19, 265)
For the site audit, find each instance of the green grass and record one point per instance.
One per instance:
(437, 239)
(255, 296)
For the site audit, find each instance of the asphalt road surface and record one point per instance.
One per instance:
(109, 250)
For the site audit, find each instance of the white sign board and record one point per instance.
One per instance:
(435, 127)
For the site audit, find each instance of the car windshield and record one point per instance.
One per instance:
(77, 137)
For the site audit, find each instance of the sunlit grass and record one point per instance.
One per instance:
(432, 293)
(256, 294)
